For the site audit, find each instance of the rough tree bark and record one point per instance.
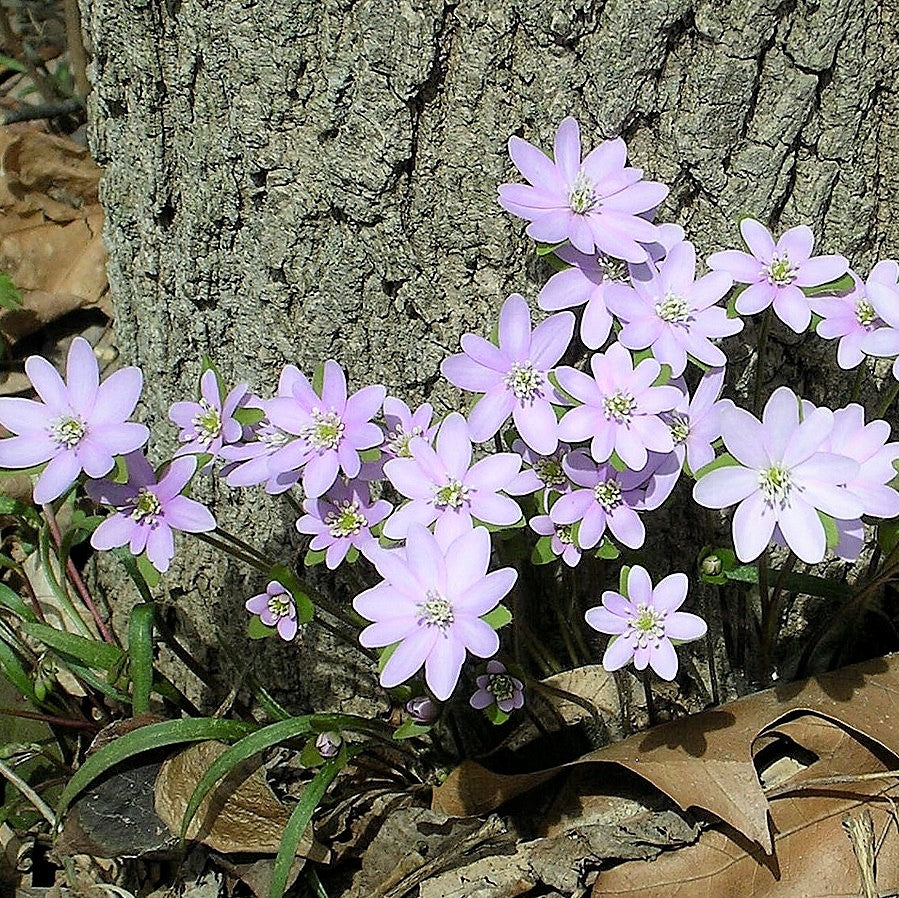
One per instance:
(291, 181)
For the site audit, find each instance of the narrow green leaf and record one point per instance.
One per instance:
(804, 584)
(607, 550)
(545, 249)
(318, 378)
(496, 715)
(664, 376)
(10, 297)
(888, 535)
(300, 819)
(723, 460)
(129, 562)
(140, 654)
(314, 557)
(384, 655)
(12, 669)
(273, 734)
(13, 601)
(830, 530)
(248, 415)
(409, 729)
(543, 552)
(208, 365)
(90, 652)
(89, 678)
(11, 506)
(498, 618)
(155, 735)
(370, 455)
(622, 579)
(147, 571)
(310, 756)
(7, 62)
(843, 284)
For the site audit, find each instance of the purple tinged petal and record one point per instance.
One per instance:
(383, 602)
(454, 445)
(606, 159)
(515, 329)
(742, 267)
(758, 238)
(755, 298)
(580, 233)
(803, 531)
(320, 473)
(387, 632)
(334, 387)
(639, 586)
(567, 148)
(725, 486)
(669, 593)
(287, 628)
(602, 620)
(637, 198)
(753, 526)
(464, 372)
(485, 594)
(663, 659)
(780, 419)
(160, 546)
(24, 415)
(60, 473)
(596, 323)
(408, 478)
(796, 243)
(409, 656)
(581, 423)
(470, 553)
(188, 515)
(838, 502)
(791, 306)
(821, 270)
(528, 202)
(627, 527)
(481, 699)
(743, 436)
(209, 388)
(571, 507)
(495, 509)
(618, 652)
(534, 164)
(493, 472)
(477, 636)
(538, 426)
(416, 512)
(425, 560)
(82, 376)
(48, 384)
(808, 438)
(550, 340)
(115, 531)
(26, 451)
(443, 666)
(550, 227)
(685, 626)
(94, 457)
(349, 459)
(176, 477)
(363, 405)
(120, 439)
(490, 412)
(565, 289)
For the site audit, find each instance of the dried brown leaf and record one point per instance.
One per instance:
(241, 815)
(706, 760)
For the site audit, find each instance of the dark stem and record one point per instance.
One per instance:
(29, 112)
(860, 374)
(244, 546)
(761, 349)
(892, 393)
(650, 700)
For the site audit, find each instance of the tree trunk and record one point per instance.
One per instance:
(293, 181)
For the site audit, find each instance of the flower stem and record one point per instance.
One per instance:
(860, 374)
(45, 810)
(761, 350)
(75, 577)
(245, 546)
(892, 393)
(234, 552)
(650, 700)
(567, 696)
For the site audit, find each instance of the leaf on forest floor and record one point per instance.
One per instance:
(812, 853)
(241, 815)
(50, 230)
(705, 761)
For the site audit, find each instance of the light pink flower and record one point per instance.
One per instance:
(561, 536)
(431, 603)
(276, 608)
(644, 622)
(782, 478)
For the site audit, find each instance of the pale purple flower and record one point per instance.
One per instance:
(331, 429)
(644, 623)
(622, 409)
(328, 743)
(276, 608)
(342, 519)
(422, 710)
(883, 294)
(783, 478)
(80, 425)
(513, 376)
(147, 510)
(544, 473)
(595, 204)
(249, 458)
(588, 279)
(562, 541)
(673, 314)
(661, 474)
(850, 317)
(403, 425)
(777, 272)
(695, 423)
(445, 487)
(607, 500)
(498, 687)
(207, 425)
(431, 602)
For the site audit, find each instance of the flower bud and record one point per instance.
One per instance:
(328, 744)
(711, 565)
(421, 709)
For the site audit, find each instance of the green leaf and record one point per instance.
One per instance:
(147, 571)
(370, 455)
(314, 557)
(409, 729)
(352, 556)
(622, 579)
(664, 376)
(11, 600)
(844, 284)
(830, 530)
(310, 756)
(384, 655)
(89, 652)
(289, 580)
(155, 735)
(15, 673)
(258, 630)
(803, 584)
(544, 249)
(7, 62)
(318, 378)
(248, 415)
(19, 509)
(607, 549)
(722, 461)
(208, 365)
(888, 535)
(496, 715)
(10, 298)
(140, 654)
(300, 819)
(721, 557)
(617, 462)
(250, 745)
(543, 552)
(498, 618)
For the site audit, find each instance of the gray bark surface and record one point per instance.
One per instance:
(293, 181)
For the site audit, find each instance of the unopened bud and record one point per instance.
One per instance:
(711, 565)
(421, 709)
(328, 744)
